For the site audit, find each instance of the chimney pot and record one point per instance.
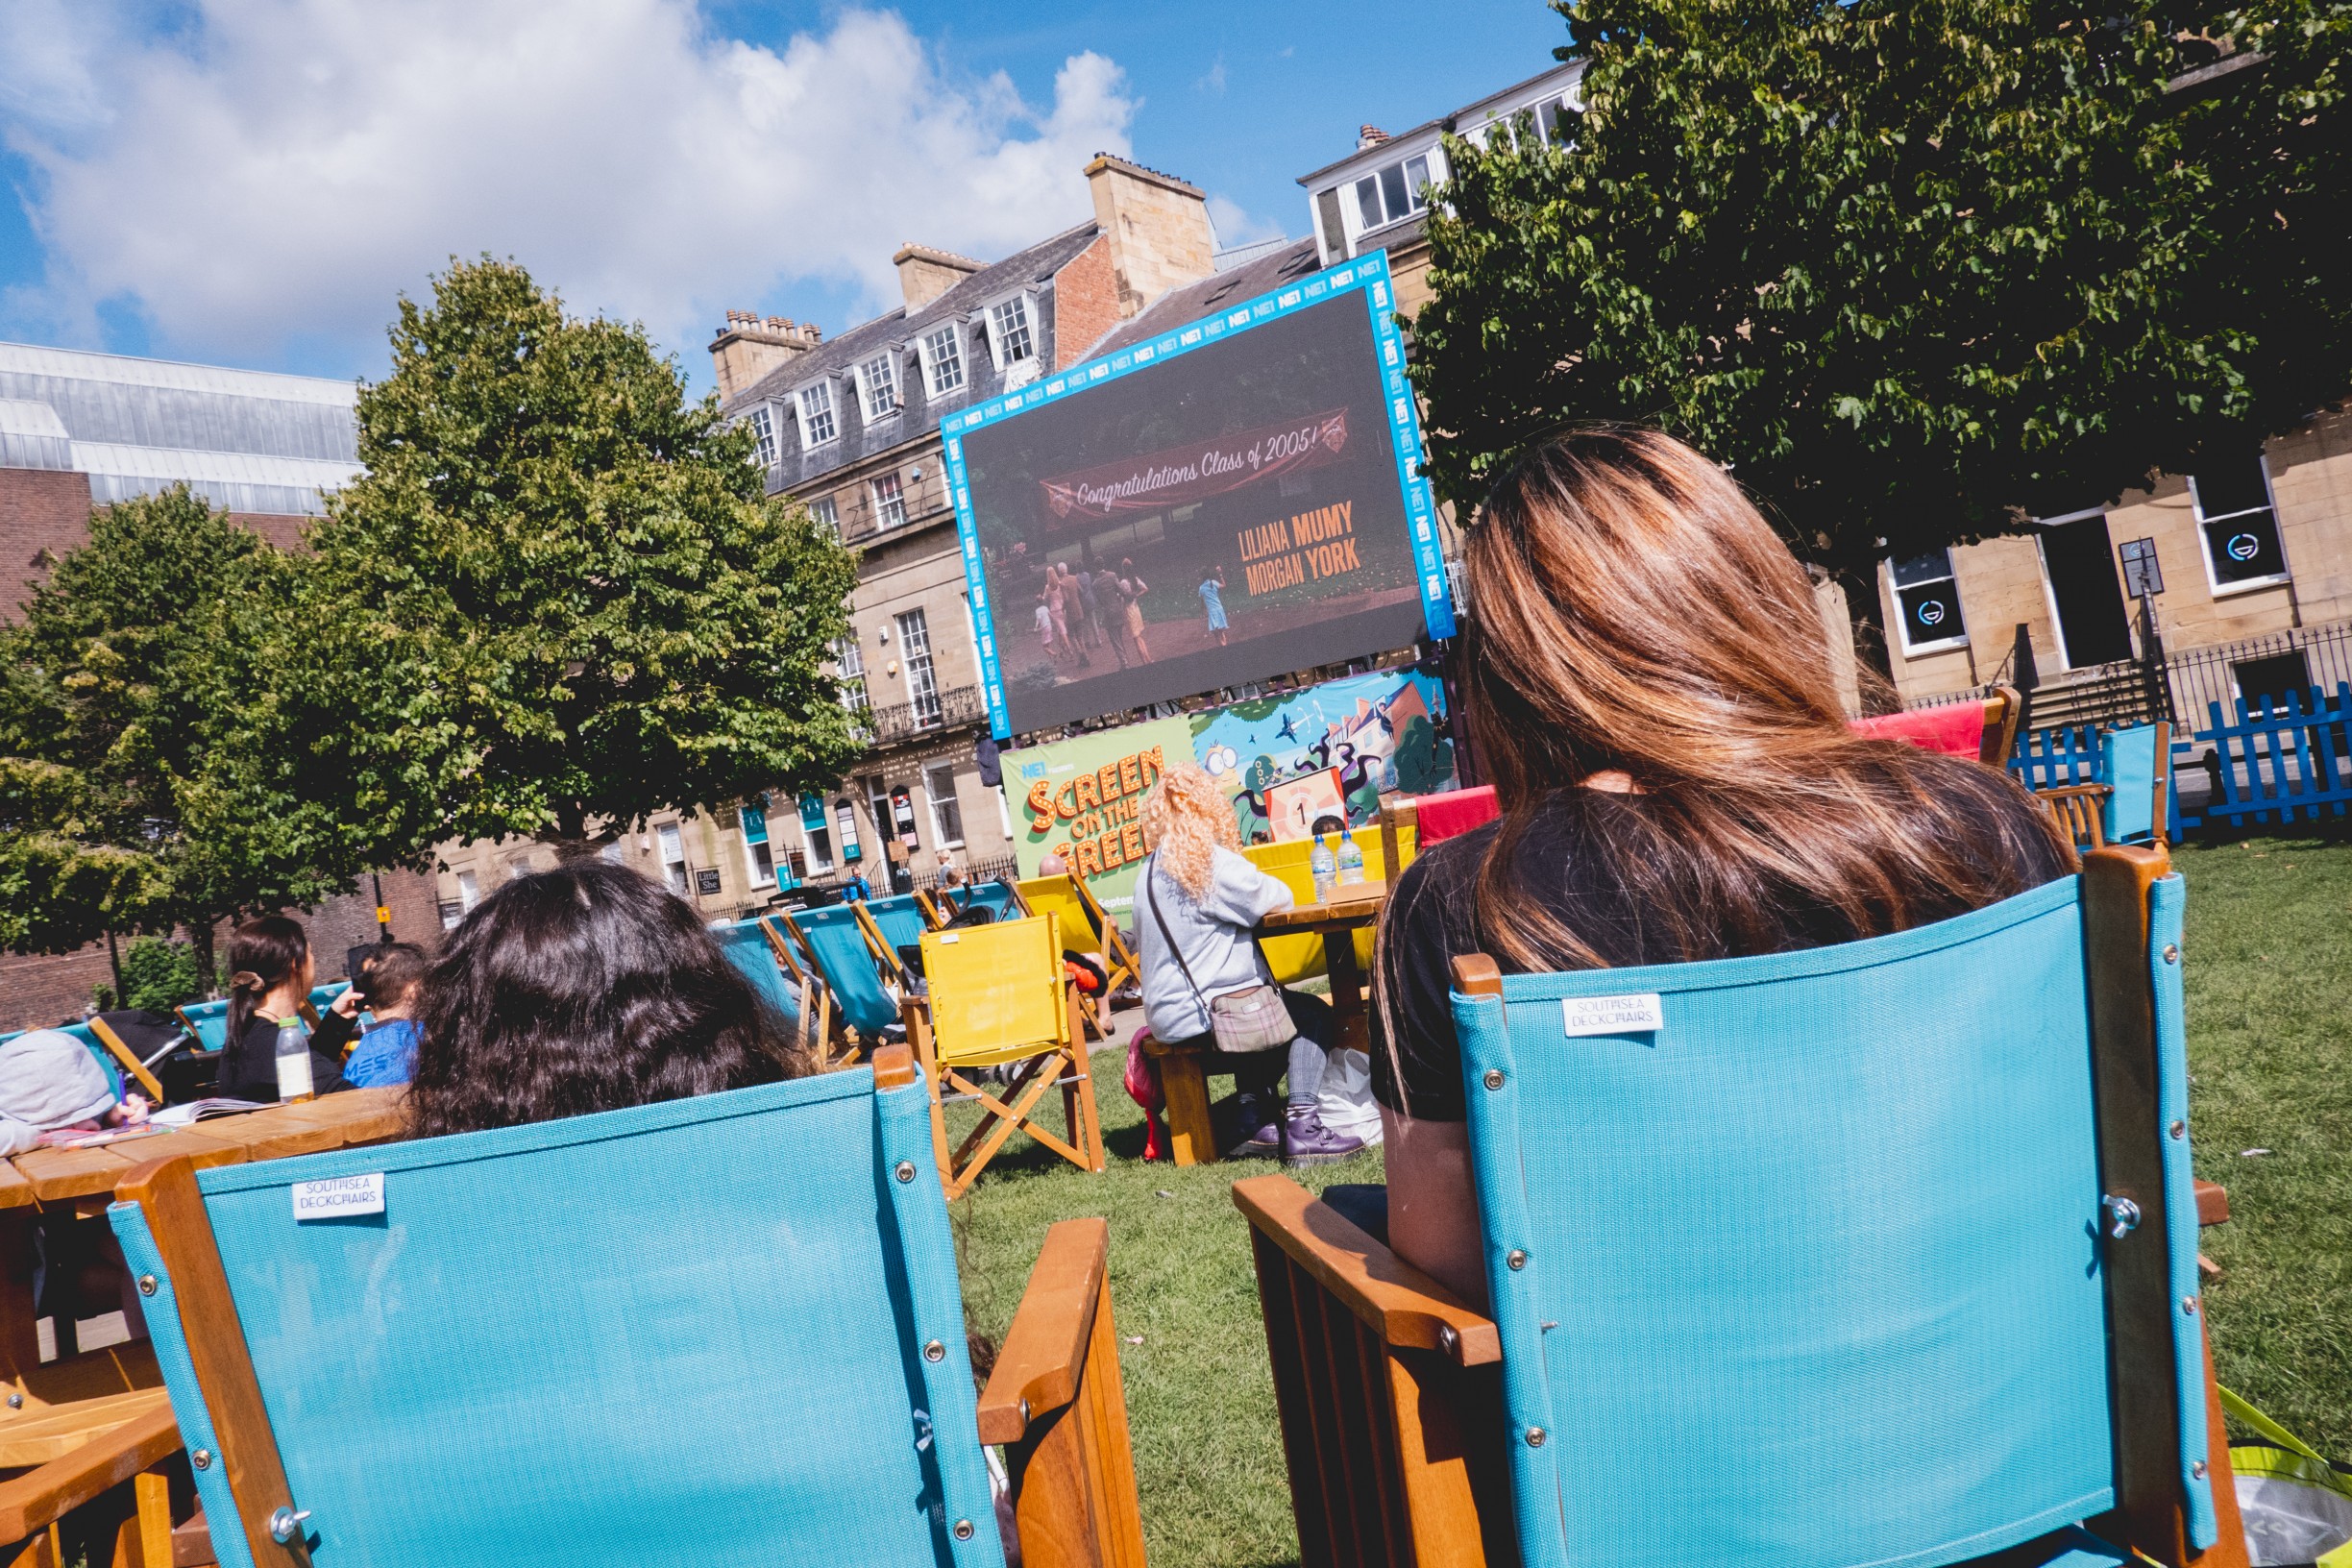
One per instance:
(1369, 135)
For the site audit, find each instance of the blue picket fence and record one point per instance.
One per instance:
(2289, 758)
(2045, 759)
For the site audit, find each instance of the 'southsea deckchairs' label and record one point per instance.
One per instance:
(339, 1196)
(1636, 1013)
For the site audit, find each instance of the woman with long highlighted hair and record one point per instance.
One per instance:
(1649, 684)
(1197, 899)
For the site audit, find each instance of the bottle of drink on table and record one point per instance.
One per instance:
(1326, 869)
(293, 1061)
(1351, 861)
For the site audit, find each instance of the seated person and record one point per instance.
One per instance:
(52, 1087)
(387, 983)
(579, 990)
(1197, 902)
(271, 973)
(1649, 685)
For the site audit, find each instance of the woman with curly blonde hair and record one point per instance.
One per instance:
(1196, 902)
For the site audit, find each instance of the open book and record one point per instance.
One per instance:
(195, 1111)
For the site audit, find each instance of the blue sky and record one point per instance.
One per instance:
(253, 181)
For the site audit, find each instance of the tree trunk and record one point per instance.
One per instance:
(115, 961)
(570, 840)
(199, 940)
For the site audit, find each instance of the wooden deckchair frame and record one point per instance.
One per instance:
(1055, 1399)
(122, 1052)
(1389, 1389)
(850, 1037)
(817, 1022)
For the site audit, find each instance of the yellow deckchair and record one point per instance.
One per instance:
(998, 996)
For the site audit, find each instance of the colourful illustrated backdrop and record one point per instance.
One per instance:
(1083, 798)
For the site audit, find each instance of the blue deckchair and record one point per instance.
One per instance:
(747, 946)
(999, 898)
(208, 1021)
(1874, 1253)
(723, 1332)
(837, 942)
(897, 922)
(2136, 765)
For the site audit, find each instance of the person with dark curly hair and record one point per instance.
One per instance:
(579, 990)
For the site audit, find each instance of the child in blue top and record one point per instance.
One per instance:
(1211, 592)
(386, 1054)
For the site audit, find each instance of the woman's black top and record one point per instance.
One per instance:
(249, 1063)
(1433, 919)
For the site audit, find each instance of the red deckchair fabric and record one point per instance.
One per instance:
(1956, 729)
(1442, 817)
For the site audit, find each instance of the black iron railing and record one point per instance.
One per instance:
(902, 721)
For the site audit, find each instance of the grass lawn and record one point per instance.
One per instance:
(2269, 987)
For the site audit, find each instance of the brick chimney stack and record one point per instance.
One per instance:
(747, 348)
(1158, 226)
(925, 274)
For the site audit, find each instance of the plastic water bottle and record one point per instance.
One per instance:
(293, 1061)
(1326, 869)
(1351, 861)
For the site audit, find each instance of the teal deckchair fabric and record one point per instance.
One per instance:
(997, 897)
(1807, 1277)
(899, 920)
(687, 1333)
(105, 1058)
(211, 1021)
(838, 945)
(746, 948)
(2127, 766)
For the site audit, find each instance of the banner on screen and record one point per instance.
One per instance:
(1230, 500)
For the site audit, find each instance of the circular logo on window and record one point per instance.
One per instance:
(1931, 613)
(2243, 547)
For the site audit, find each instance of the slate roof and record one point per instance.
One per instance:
(1291, 262)
(896, 331)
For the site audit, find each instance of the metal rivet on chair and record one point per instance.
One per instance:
(1494, 1077)
(1024, 1411)
(2189, 1304)
(906, 1170)
(935, 1352)
(2124, 1212)
(1516, 1258)
(962, 1529)
(1535, 1436)
(202, 1458)
(2197, 1469)
(2171, 952)
(1448, 1340)
(16, 1402)
(147, 1284)
(2179, 1129)
(287, 1523)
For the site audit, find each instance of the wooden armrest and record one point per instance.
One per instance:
(2213, 1203)
(1037, 1370)
(36, 1500)
(1395, 1300)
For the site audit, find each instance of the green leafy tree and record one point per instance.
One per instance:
(121, 809)
(159, 974)
(1916, 272)
(558, 599)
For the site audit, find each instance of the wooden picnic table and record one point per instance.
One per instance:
(51, 1408)
(1351, 907)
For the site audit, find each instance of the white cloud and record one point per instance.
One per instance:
(1236, 226)
(280, 169)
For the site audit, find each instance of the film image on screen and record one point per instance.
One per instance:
(1231, 513)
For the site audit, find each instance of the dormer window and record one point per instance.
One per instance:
(817, 422)
(943, 354)
(878, 381)
(1394, 194)
(763, 432)
(1009, 327)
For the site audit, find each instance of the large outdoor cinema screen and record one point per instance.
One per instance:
(1230, 502)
